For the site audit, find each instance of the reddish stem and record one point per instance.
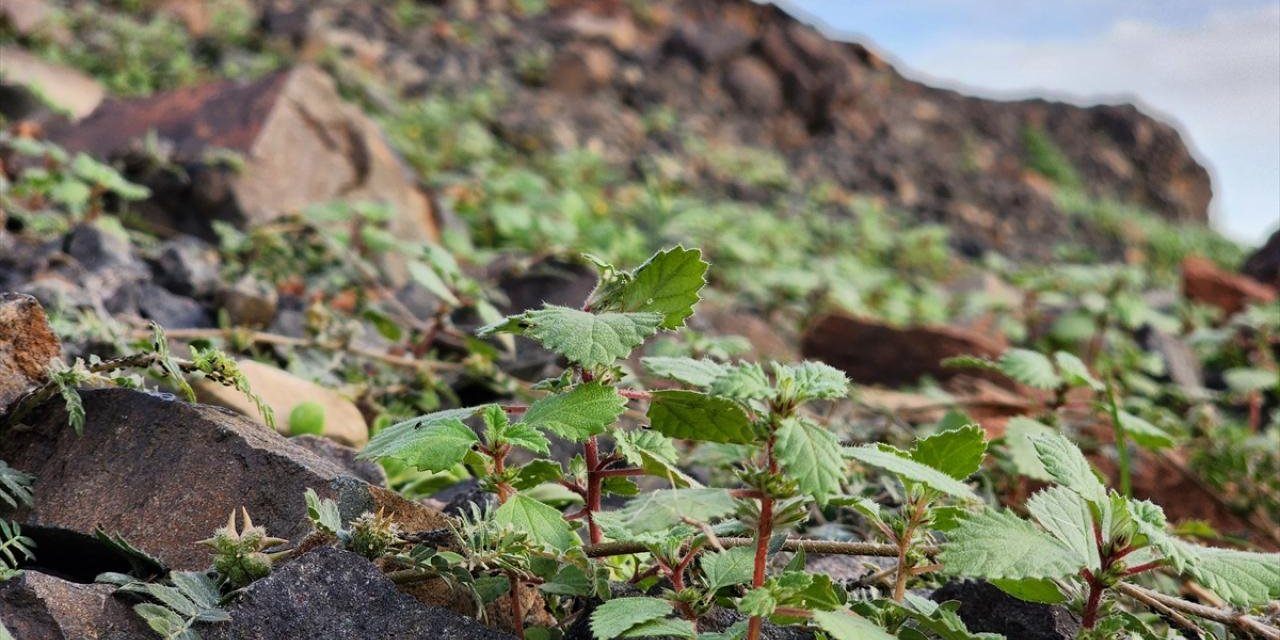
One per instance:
(1156, 564)
(499, 468)
(517, 609)
(635, 394)
(763, 533)
(610, 473)
(594, 479)
(1095, 599)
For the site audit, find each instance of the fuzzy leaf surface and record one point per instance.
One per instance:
(613, 618)
(843, 624)
(655, 453)
(544, 523)
(434, 442)
(910, 470)
(819, 381)
(1066, 516)
(1243, 578)
(810, 454)
(728, 567)
(1030, 368)
(1064, 462)
(588, 339)
(585, 411)
(698, 373)
(998, 544)
(955, 452)
(694, 416)
(662, 509)
(668, 283)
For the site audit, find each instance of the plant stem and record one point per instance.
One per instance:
(1095, 599)
(763, 534)
(904, 547)
(635, 394)
(594, 478)
(820, 547)
(1122, 445)
(517, 609)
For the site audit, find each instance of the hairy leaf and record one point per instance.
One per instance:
(694, 416)
(544, 523)
(843, 624)
(323, 513)
(910, 470)
(658, 510)
(998, 544)
(585, 411)
(743, 381)
(1075, 372)
(1030, 368)
(1149, 519)
(662, 628)
(668, 283)
(811, 455)
(819, 381)
(698, 373)
(1066, 516)
(655, 453)
(1243, 578)
(1018, 435)
(955, 452)
(1144, 433)
(613, 618)
(435, 441)
(1064, 462)
(728, 567)
(588, 339)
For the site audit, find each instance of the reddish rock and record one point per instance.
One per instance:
(1207, 283)
(300, 143)
(27, 344)
(872, 352)
(165, 474)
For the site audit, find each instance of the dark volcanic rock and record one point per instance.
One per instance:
(1263, 265)
(983, 607)
(345, 456)
(329, 593)
(35, 606)
(27, 344)
(165, 474)
(872, 352)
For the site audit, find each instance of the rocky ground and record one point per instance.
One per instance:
(339, 193)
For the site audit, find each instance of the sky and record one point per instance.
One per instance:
(1211, 68)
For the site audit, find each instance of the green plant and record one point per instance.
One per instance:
(173, 610)
(1045, 157)
(239, 555)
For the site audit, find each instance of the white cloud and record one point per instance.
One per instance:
(1220, 81)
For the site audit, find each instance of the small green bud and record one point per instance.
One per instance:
(306, 418)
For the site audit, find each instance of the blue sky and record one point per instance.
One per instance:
(1213, 68)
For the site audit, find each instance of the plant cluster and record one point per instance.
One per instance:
(691, 548)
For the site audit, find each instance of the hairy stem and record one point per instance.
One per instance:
(517, 609)
(594, 479)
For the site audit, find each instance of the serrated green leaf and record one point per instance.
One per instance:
(588, 339)
(1030, 368)
(1144, 433)
(526, 437)
(613, 618)
(910, 470)
(728, 567)
(1067, 517)
(998, 544)
(1149, 519)
(1075, 372)
(1064, 462)
(1032, 590)
(323, 513)
(810, 455)
(544, 523)
(743, 381)
(667, 283)
(659, 510)
(663, 628)
(435, 442)
(760, 601)
(843, 624)
(694, 416)
(536, 472)
(819, 381)
(955, 452)
(585, 411)
(653, 452)
(1018, 433)
(698, 373)
(1243, 578)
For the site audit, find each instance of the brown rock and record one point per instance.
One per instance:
(66, 88)
(165, 474)
(33, 17)
(871, 352)
(1263, 264)
(250, 302)
(580, 70)
(1206, 283)
(300, 142)
(41, 607)
(27, 344)
(754, 85)
(282, 391)
(345, 456)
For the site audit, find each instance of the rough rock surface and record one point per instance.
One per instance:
(1206, 283)
(1263, 264)
(68, 89)
(26, 345)
(300, 142)
(329, 593)
(35, 606)
(164, 474)
(345, 456)
(743, 74)
(872, 352)
(983, 607)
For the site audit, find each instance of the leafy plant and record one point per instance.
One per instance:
(173, 610)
